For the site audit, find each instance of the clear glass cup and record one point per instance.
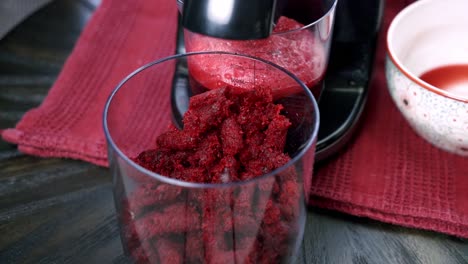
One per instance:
(300, 41)
(164, 220)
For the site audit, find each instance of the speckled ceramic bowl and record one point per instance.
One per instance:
(426, 35)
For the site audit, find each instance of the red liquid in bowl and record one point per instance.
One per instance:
(452, 78)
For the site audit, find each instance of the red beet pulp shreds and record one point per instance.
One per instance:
(229, 135)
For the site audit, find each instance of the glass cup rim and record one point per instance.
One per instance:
(181, 183)
(326, 14)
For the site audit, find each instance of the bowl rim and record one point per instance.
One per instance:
(392, 56)
(165, 179)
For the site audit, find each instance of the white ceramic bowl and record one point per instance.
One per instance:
(429, 34)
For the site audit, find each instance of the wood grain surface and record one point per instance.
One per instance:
(62, 211)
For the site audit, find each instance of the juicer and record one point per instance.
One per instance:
(353, 43)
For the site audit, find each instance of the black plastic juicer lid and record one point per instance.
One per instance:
(230, 19)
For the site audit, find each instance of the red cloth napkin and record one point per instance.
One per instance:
(121, 36)
(387, 172)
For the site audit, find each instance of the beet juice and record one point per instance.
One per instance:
(291, 46)
(452, 78)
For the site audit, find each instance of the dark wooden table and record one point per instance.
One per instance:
(62, 211)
